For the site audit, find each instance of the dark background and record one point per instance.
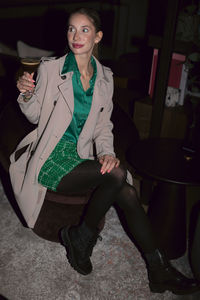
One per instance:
(132, 29)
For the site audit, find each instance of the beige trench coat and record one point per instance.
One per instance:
(51, 108)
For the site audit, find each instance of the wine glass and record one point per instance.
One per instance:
(30, 65)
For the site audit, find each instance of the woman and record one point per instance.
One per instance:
(72, 103)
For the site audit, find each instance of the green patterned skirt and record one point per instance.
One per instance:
(61, 161)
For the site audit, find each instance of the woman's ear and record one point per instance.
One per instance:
(99, 36)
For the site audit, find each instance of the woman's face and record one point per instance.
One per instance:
(82, 35)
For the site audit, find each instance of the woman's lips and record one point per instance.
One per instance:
(77, 46)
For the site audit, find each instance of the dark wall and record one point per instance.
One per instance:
(47, 31)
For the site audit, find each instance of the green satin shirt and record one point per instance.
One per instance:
(82, 99)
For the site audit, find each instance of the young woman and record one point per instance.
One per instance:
(72, 103)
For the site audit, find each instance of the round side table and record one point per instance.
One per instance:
(165, 161)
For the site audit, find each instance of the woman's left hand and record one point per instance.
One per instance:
(108, 163)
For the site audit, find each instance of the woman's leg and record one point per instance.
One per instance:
(80, 240)
(111, 188)
(162, 276)
(87, 176)
(136, 218)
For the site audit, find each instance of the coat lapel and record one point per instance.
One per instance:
(66, 90)
(65, 85)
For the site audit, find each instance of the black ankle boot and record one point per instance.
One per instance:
(79, 242)
(163, 276)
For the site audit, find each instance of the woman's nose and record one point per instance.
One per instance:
(76, 36)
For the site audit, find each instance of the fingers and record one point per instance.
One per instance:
(26, 83)
(108, 163)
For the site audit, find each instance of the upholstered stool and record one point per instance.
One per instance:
(58, 211)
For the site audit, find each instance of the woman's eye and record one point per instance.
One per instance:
(71, 29)
(85, 29)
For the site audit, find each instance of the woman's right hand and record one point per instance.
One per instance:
(26, 83)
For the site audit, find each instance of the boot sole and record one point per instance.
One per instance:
(161, 288)
(69, 249)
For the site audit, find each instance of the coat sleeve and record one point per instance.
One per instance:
(32, 108)
(103, 136)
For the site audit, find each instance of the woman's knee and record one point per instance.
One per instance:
(118, 175)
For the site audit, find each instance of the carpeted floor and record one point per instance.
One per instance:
(32, 268)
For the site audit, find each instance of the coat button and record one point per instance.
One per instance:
(63, 77)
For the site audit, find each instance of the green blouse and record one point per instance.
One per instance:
(64, 157)
(82, 99)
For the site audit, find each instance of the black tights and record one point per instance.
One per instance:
(110, 189)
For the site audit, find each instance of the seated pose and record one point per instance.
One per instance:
(71, 101)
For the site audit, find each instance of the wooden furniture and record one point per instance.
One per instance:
(171, 168)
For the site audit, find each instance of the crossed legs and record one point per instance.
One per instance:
(110, 189)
